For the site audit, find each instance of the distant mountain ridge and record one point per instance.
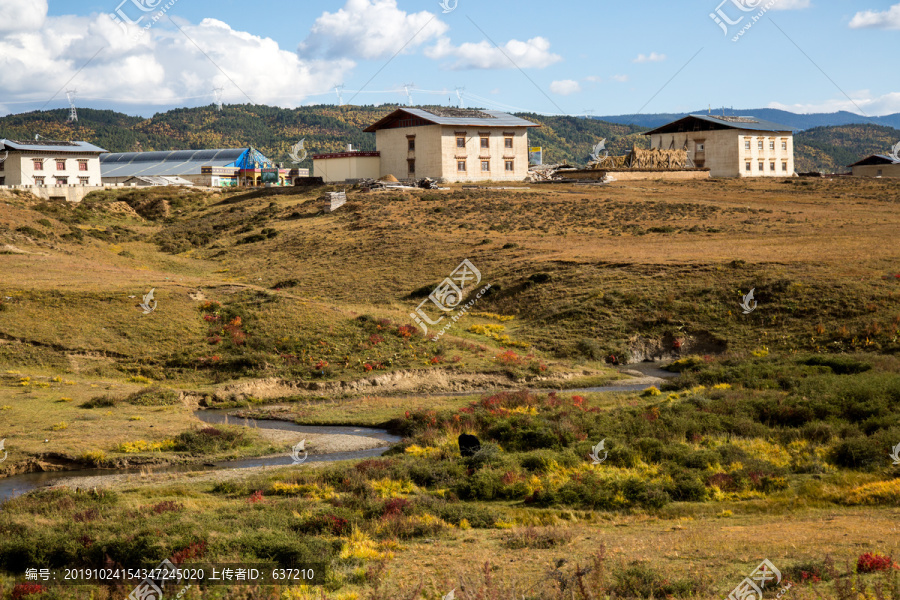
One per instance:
(328, 128)
(782, 117)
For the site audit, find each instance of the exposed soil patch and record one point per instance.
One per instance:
(671, 347)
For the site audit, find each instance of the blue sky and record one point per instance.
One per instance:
(601, 56)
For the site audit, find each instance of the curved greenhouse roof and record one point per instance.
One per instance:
(179, 162)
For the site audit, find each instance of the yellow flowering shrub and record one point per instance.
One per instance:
(307, 490)
(426, 452)
(145, 446)
(651, 391)
(393, 488)
(878, 492)
(493, 316)
(360, 546)
(722, 386)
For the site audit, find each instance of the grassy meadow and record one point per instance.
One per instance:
(773, 443)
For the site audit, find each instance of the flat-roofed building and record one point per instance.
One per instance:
(730, 146)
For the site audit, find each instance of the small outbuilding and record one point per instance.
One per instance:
(877, 165)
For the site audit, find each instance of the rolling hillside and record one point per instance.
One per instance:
(327, 128)
(797, 121)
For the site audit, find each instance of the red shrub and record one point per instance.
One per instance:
(255, 497)
(871, 562)
(436, 360)
(26, 589)
(395, 506)
(375, 339)
(167, 506)
(195, 550)
(509, 357)
(407, 331)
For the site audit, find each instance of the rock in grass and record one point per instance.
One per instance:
(468, 445)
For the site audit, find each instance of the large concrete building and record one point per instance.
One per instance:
(730, 146)
(349, 165)
(452, 144)
(877, 165)
(228, 167)
(46, 163)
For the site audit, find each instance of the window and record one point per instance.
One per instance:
(879, 173)
(39, 181)
(84, 181)
(700, 146)
(2, 180)
(747, 144)
(772, 166)
(747, 168)
(411, 166)
(461, 165)
(485, 142)
(784, 167)
(60, 165)
(485, 165)
(38, 165)
(762, 166)
(411, 145)
(82, 165)
(784, 144)
(771, 144)
(508, 142)
(460, 142)
(760, 143)
(62, 181)
(1, 166)
(510, 166)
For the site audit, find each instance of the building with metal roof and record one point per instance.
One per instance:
(452, 144)
(226, 167)
(730, 146)
(878, 165)
(49, 163)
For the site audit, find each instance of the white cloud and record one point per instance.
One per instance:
(163, 67)
(535, 53)
(888, 19)
(886, 104)
(593, 79)
(652, 57)
(620, 78)
(22, 15)
(565, 87)
(367, 29)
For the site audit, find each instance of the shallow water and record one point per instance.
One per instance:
(17, 485)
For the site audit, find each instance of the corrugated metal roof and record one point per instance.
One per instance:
(492, 118)
(50, 146)
(161, 180)
(876, 159)
(743, 123)
(168, 163)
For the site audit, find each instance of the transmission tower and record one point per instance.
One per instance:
(589, 112)
(407, 89)
(339, 90)
(459, 95)
(217, 92)
(73, 113)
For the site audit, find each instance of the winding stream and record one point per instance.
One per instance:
(10, 487)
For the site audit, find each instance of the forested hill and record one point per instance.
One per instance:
(328, 128)
(274, 131)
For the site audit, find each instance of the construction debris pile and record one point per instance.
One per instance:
(389, 182)
(539, 173)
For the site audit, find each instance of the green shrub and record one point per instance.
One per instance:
(154, 396)
(840, 365)
(106, 401)
(210, 440)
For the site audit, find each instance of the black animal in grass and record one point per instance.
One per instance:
(468, 445)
